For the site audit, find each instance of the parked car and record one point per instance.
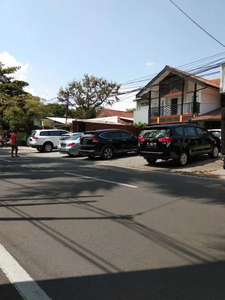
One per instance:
(107, 143)
(69, 144)
(45, 139)
(176, 141)
(216, 132)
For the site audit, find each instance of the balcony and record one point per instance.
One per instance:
(172, 113)
(174, 109)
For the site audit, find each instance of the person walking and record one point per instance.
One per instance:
(13, 143)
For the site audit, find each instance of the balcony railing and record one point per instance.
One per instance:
(174, 109)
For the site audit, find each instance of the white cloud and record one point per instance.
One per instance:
(149, 64)
(10, 61)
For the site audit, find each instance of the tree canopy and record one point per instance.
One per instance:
(89, 95)
(17, 107)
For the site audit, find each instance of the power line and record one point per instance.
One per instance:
(149, 77)
(197, 24)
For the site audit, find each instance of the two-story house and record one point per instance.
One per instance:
(176, 96)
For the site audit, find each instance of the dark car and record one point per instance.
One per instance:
(107, 143)
(176, 141)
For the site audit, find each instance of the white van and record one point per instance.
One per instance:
(45, 139)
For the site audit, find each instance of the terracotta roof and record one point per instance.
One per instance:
(111, 113)
(211, 115)
(213, 81)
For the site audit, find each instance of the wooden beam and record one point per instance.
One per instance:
(194, 100)
(149, 107)
(159, 102)
(182, 98)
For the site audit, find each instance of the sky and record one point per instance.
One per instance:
(56, 41)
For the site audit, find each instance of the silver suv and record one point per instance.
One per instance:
(45, 139)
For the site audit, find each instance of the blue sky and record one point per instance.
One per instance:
(60, 40)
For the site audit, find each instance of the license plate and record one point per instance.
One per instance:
(63, 145)
(150, 144)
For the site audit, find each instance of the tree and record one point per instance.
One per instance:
(88, 95)
(17, 107)
(130, 109)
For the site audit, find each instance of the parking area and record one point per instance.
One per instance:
(199, 166)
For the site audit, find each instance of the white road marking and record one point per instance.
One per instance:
(99, 179)
(22, 281)
(5, 160)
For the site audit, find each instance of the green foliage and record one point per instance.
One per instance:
(88, 95)
(17, 107)
(140, 125)
(130, 109)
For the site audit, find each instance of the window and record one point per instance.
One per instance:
(63, 132)
(113, 135)
(125, 135)
(55, 133)
(104, 135)
(190, 131)
(44, 133)
(74, 137)
(200, 131)
(178, 131)
(156, 133)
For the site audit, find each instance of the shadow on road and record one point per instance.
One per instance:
(197, 282)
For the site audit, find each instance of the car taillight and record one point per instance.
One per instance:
(70, 144)
(34, 137)
(94, 139)
(165, 139)
(141, 139)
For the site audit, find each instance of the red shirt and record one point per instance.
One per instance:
(13, 139)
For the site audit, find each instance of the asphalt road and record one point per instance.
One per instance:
(87, 231)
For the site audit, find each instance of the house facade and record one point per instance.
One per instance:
(175, 96)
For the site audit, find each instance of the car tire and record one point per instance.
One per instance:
(107, 153)
(91, 156)
(71, 155)
(48, 147)
(183, 159)
(214, 153)
(40, 149)
(151, 161)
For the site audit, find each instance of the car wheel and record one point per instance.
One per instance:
(183, 159)
(71, 155)
(151, 161)
(91, 156)
(214, 153)
(48, 147)
(107, 153)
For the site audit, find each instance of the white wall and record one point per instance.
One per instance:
(141, 115)
(210, 100)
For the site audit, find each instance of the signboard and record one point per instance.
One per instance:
(222, 79)
(46, 123)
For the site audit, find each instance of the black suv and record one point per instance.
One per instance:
(106, 143)
(176, 141)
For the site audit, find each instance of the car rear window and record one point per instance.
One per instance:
(33, 133)
(64, 137)
(156, 133)
(74, 137)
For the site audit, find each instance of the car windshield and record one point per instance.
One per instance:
(216, 133)
(155, 133)
(74, 137)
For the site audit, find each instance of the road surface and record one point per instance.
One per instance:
(75, 229)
